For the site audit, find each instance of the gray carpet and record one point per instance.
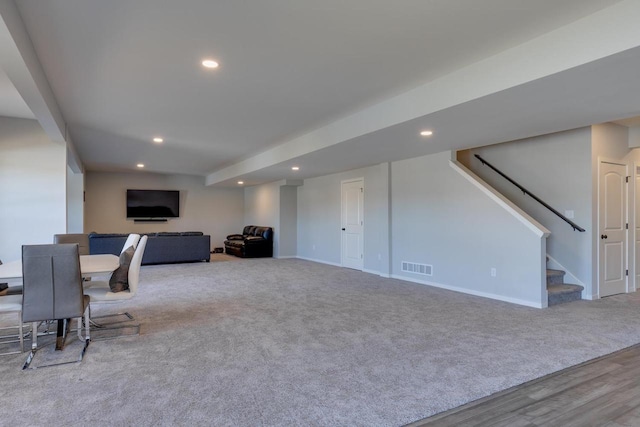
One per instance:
(266, 342)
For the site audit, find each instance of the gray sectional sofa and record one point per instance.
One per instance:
(162, 248)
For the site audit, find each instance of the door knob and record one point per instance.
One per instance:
(343, 229)
(603, 236)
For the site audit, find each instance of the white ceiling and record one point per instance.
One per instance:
(124, 71)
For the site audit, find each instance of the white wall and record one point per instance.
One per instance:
(32, 187)
(558, 169)
(441, 219)
(275, 205)
(319, 218)
(288, 235)
(75, 202)
(214, 211)
(262, 207)
(634, 136)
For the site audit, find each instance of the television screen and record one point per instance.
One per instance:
(153, 203)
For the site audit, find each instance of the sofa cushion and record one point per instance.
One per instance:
(119, 280)
(234, 243)
(93, 235)
(235, 237)
(264, 232)
(247, 229)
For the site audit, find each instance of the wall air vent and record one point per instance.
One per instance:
(414, 267)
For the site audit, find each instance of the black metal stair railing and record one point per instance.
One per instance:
(529, 193)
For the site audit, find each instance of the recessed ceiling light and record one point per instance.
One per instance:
(158, 140)
(295, 168)
(240, 182)
(210, 63)
(140, 165)
(426, 133)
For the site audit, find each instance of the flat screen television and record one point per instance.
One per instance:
(153, 203)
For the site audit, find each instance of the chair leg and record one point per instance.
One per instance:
(9, 339)
(87, 323)
(20, 331)
(34, 336)
(34, 345)
(87, 338)
(128, 322)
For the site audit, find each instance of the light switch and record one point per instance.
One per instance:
(569, 214)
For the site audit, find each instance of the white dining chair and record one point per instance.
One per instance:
(100, 291)
(132, 240)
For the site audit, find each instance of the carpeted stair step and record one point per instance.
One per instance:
(560, 292)
(555, 277)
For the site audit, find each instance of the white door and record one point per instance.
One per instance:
(612, 233)
(353, 224)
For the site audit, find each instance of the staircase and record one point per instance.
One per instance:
(560, 292)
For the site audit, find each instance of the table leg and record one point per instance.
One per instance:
(61, 336)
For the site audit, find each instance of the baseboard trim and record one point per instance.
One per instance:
(319, 261)
(285, 257)
(377, 273)
(470, 292)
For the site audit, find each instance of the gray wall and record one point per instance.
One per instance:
(319, 217)
(421, 210)
(214, 211)
(556, 168)
(274, 205)
(262, 207)
(288, 221)
(75, 202)
(32, 186)
(561, 169)
(441, 219)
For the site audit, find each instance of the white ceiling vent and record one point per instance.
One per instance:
(414, 267)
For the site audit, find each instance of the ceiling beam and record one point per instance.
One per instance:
(20, 62)
(597, 36)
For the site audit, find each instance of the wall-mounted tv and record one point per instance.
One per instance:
(153, 203)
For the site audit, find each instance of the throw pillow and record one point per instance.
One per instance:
(119, 280)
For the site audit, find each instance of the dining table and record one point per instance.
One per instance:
(89, 265)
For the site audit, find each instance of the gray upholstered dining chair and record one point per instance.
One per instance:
(52, 290)
(100, 291)
(81, 239)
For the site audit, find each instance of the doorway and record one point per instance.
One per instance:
(612, 228)
(353, 223)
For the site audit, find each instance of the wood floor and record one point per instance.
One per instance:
(601, 392)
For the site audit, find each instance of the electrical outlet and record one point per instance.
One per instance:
(379, 257)
(494, 272)
(313, 247)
